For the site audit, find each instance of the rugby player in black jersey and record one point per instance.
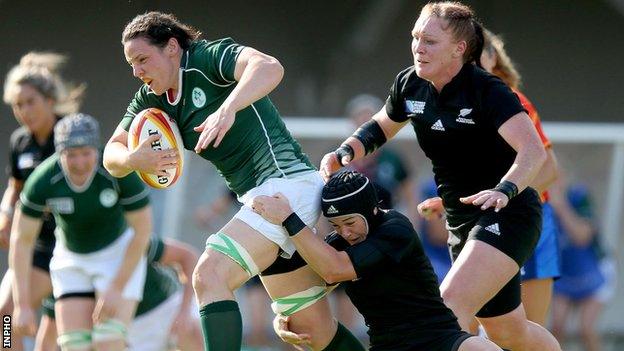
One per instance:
(379, 257)
(485, 153)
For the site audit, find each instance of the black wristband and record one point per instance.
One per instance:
(508, 188)
(370, 135)
(344, 150)
(293, 224)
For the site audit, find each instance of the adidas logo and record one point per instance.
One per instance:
(493, 228)
(332, 210)
(438, 126)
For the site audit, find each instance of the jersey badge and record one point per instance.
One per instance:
(108, 197)
(26, 160)
(198, 97)
(462, 116)
(493, 228)
(413, 106)
(438, 126)
(61, 205)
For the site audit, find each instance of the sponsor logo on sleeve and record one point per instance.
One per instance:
(414, 107)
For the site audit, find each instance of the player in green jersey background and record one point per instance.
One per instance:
(103, 228)
(163, 318)
(217, 93)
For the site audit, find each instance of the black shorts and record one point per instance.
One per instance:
(514, 231)
(406, 338)
(41, 259)
(284, 265)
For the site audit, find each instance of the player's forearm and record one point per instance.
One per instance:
(140, 220)
(528, 162)
(10, 196)
(321, 257)
(20, 261)
(547, 174)
(261, 75)
(117, 159)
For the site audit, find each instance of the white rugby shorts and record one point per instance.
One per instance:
(94, 272)
(303, 193)
(150, 331)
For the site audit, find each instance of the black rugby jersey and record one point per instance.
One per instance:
(458, 129)
(396, 288)
(25, 154)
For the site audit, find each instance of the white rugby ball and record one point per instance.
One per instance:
(154, 121)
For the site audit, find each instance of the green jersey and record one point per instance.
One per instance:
(257, 147)
(89, 217)
(160, 281)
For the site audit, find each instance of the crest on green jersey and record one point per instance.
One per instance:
(108, 197)
(199, 97)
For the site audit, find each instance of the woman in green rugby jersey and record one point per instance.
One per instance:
(103, 227)
(217, 93)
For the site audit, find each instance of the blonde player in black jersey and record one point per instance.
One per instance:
(485, 153)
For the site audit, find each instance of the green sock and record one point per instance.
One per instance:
(344, 341)
(222, 326)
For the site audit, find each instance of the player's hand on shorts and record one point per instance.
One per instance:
(487, 199)
(330, 165)
(214, 128)
(274, 209)
(280, 326)
(24, 321)
(147, 160)
(431, 208)
(106, 305)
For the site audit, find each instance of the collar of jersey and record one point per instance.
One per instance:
(179, 95)
(455, 83)
(79, 188)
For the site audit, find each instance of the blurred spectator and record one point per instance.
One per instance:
(587, 273)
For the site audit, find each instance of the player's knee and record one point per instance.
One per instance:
(508, 335)
(208, 275)
(453, 300)
(75, 340)
(109, 335)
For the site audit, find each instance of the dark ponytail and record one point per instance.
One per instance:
(479, 42)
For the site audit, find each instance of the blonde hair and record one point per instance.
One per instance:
(504, 67)
(463, 24)
(40, 70)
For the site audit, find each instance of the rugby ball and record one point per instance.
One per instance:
(154, 121)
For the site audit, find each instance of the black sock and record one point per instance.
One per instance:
(222, 326)
(344, 341)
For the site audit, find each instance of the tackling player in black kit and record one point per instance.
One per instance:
(379, 257)
(485, 152)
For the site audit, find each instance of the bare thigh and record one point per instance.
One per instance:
(479, 272)
(74, 314)
(315, 320)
